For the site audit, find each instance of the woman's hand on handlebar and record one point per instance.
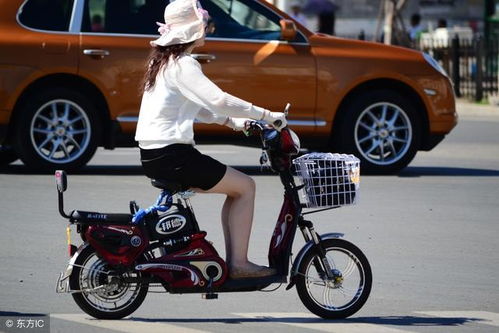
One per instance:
(238, 124)
(255, 127)
(247, 126)
(275, 119)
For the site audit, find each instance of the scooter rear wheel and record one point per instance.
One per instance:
(346, 293)
(104, 294)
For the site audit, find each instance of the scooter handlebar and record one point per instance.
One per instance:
(260, 125)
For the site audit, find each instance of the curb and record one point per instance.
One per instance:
(467, 108)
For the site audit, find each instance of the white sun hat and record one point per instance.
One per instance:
(184, 23)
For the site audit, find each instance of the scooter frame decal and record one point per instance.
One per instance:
(171, 267)
(128, 232)
(170, 224)
(191, 253)
(287, 218)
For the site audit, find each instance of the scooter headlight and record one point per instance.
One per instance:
(290, 142)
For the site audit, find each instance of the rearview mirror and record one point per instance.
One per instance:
(288, 30)
(61, 180)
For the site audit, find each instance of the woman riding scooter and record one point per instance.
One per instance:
(175, 93)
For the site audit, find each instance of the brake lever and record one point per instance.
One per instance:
(253, 127)
(264, 158)
(255, 124)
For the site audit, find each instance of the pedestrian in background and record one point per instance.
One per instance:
(442, 23)
(97, 25)
(416, 28)
(326, 14)
(297, 14)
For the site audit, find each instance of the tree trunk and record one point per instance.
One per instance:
(388, 26)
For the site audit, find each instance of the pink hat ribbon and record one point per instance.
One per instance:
(204, 14)
(163, 28)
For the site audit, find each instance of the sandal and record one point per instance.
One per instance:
(256, 272)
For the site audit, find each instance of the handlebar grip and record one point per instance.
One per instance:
(286, 109)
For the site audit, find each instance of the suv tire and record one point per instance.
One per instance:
(381, 128)
(57, 129)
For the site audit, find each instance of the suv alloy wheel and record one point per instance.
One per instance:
(58, 129)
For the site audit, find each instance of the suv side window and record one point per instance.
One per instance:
(123, 16)
(243, 19)
(51, 15)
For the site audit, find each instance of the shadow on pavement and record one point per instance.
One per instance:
(119, 170)
(252, 170)
(389, 320)
(415, 321)
(21, 314)
(447, 171)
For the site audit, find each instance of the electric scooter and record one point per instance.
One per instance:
(123, 256)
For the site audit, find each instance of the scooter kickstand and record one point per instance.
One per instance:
(209, 293)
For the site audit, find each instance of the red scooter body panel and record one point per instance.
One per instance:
(117, 244)
(284, 233)
(188, 267)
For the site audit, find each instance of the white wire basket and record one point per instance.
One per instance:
(331, 180)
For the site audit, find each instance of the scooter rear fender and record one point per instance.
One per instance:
(303, 251)
(63, 281)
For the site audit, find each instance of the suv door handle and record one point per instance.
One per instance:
(204, 58)
(98, 53)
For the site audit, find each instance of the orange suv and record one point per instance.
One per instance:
(70, 73)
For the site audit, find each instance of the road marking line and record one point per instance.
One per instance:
(480, 317)
(127, 325)
(309, 321)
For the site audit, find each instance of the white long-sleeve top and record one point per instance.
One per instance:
(181, 94)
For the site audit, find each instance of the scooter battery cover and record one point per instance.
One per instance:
(173, 224)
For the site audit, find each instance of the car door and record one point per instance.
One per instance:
(115, 37)
(244, 55)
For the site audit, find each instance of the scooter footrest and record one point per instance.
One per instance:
(209, 296)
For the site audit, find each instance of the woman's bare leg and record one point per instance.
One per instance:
(237, 216)
(225, 225)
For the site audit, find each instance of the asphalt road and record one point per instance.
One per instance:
(430, 233)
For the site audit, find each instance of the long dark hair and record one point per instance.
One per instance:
(159, 57)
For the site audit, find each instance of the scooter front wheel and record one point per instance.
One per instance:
(102, 292)
(346, 292)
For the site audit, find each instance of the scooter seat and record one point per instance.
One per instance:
(168, 185)
(84, 217)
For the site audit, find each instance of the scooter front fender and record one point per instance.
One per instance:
(63, 281)
(303, 251)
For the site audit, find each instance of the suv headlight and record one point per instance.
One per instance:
(433, 63)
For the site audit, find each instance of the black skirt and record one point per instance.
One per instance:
(184, 164)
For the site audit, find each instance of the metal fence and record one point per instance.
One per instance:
(472, 64)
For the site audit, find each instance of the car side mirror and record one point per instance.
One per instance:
(61, 181)
(288, 30)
